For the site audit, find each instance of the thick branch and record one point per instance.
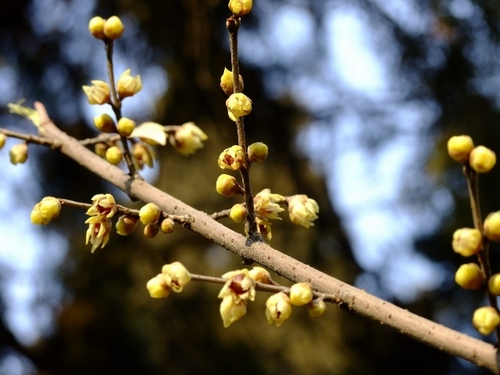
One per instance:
(409, 324)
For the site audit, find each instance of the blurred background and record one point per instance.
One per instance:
(356, 100)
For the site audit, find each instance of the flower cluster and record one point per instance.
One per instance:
(173, 277)
(473, 241)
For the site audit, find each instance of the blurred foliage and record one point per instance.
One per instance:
(106, 323)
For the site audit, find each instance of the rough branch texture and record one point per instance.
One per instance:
(409, 324)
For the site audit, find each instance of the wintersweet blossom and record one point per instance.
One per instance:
(303, 210)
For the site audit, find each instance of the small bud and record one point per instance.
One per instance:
(316, 308)
(301, 294)
(176, 276)
(49, 207)
(126, 225)
(482, 159)
(228, 186)
(231, 311)
(188, 138)
(226, 82)
(485, 319)
(494, 284)
(157, 287)
(460, 147)
(238, 213)
(96, 27)
(125, 126)
(151, 230)
(167, 226)
(36, 217)
(467, 241)
(3, 138)
(278, 308)
(240, 7)
(257, 151)
(491, 226)
(19, 153)
(260, 275)
(100, 149)
(113, 28)
(114, 155)
(98, 93)
(469, 276)
(128, 85)
(231, 158)
(105, 123)
(149, 213)
(238, 105)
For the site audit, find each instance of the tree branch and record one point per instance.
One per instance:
(359, 301)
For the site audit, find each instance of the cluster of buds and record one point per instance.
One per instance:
(106, 30)
(45, 210)
(102, 210)
(154, 221)
(173, 277)
(240, 288)
(471, 241)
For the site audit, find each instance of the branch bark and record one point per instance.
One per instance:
(407, 323)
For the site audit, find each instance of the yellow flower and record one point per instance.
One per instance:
(157, 287)
(98, 232)
(143, 154)
(267, 204)
(98, 93)
(231, 158)
(188, 138)
(128, 85)
(239, 285)
(103, 206)
(303, 210)
(231, 311)
(238, 105)
(176, 276)
(278, 308)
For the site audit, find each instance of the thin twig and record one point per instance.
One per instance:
(31, 138)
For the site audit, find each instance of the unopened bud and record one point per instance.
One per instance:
(128, 85)
(167, 226)
(3, 138)
(238, 213)
(157, 287)
(482, 159)
(226, 82)
(491, 226)
(151, 230)
(98, 93)
(228, 186)
(36, 217)
(316, 308)
(301, 294)
(114, 155)
(105, 123)
(126, 225)
(49, 207)
(238, 105)
(486, 319)
(469, 276)
(176, 276)
(96, 27)
(240, 7)
(19, 153)
(113, 28)
(260, 275)
(149, 213)
(494, 284)
(257, 151)
(460, 147)
(278, 308)
(467, 241)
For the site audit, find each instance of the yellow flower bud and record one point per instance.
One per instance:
(113, 28)
(188, 138)
(157, 287)
(240, 7)
(238, 213)
(105, 123)
(100, 149)
(469, 276)
(238, 105)
(231, 311)
(128, 85)
(36, 217)
(460, 147)
(491, 226)
(149, 214)
(3, 138)
(301, 294)
(231, 158)
(49, 207)
(257, 151)
(485, 319)
(467, 241)
(19, 153)
(176, 276)
(98, 93)
(494, 284)
(228, 186)
(167, 226)
(278, 308)
(143, 155)
(114, 155)
(151, 230)
(316, 308)
(125, 126)
(302, 210)
(260, 275)
(482, 159)
(96, 27)
(226, 82)
(126, 225)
